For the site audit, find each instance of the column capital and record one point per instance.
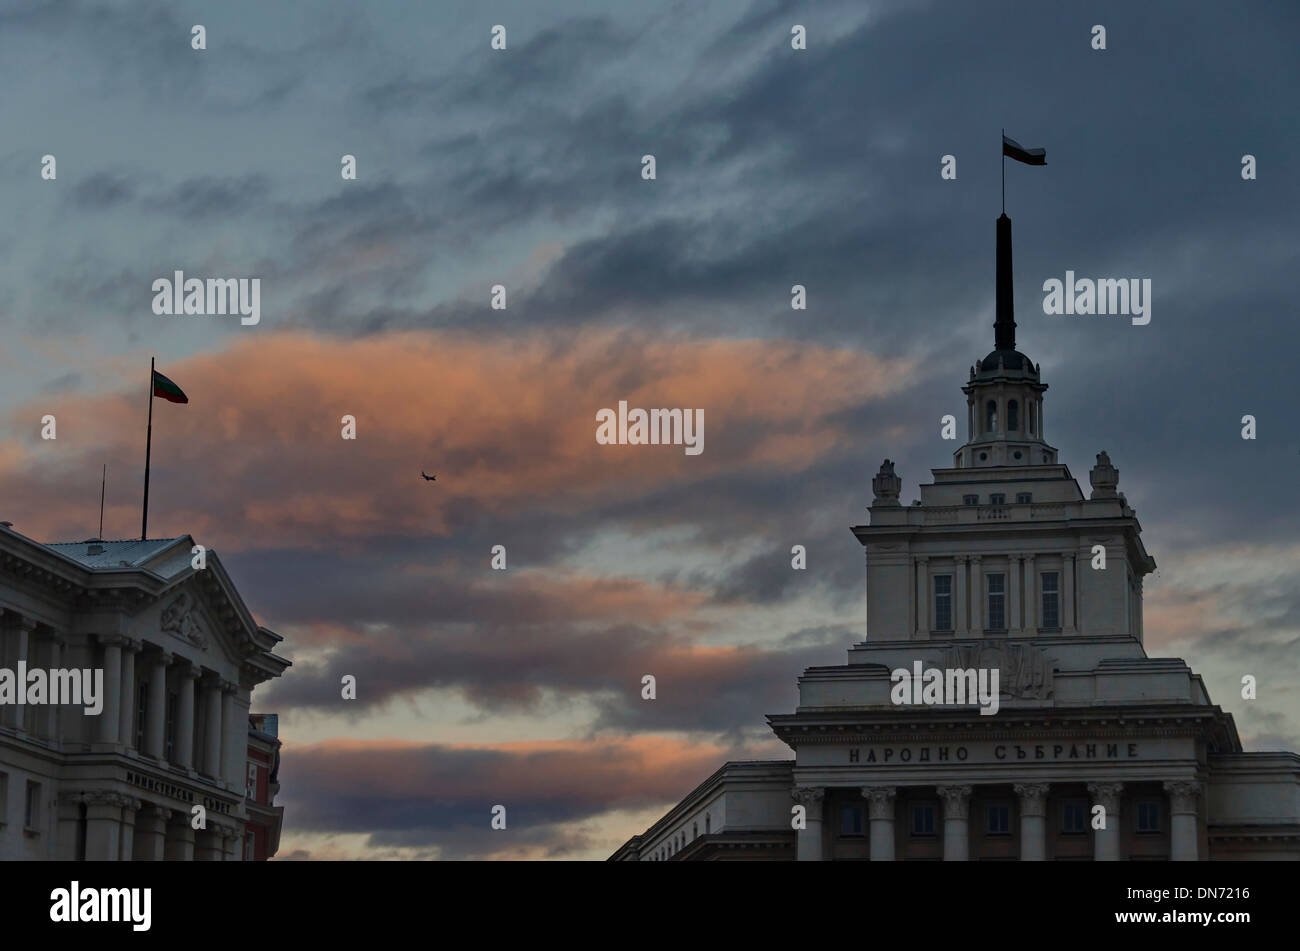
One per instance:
(1033, 798)
(133, 645)
(956, 801)
(1183, 794)
(153, 810)
(808, 795)
(229, 686)
(976, 559)
(880, 800)
(1107, 794)
(112, 640)
(22, 622)
(923, 559)
(1030, 557)
(188, 670)
(164, 658)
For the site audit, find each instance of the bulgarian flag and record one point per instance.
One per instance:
(167, 389)
(1013, 149)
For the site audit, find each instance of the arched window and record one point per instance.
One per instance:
(1032, 412)
(695, 830)
(708, 822)
(1013, 415)
(991, 416)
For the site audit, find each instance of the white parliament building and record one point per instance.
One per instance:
(180, 656)
(993, 569)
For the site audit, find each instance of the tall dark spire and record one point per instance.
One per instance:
(1004, 328)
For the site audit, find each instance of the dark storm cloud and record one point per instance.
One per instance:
(442, 796)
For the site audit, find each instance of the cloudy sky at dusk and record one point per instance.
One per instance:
(523, 168)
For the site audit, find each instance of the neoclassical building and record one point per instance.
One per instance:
(180, 656)
(1005, 565)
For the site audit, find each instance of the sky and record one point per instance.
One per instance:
(522, 167)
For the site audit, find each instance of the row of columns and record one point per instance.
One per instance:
(974, 624)
(123, 828)
(1183, 829)
(117, 722)
(39, 646)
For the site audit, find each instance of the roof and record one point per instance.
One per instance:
(130, 553)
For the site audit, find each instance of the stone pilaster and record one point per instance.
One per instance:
(880, 808)
(1184, 832)
(809, 843)
(1106, 842)
(1033, 820)
(956, 825)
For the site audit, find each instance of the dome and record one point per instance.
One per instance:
(1001, 362)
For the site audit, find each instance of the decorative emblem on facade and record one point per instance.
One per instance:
(179, 618)
(1024, 671)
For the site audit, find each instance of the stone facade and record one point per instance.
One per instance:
(180, 656)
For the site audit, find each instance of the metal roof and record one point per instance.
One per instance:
(129, 553)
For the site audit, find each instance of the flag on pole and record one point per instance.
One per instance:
(1013, 149)
(167, 389)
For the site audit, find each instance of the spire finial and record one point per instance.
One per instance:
(1004, 328)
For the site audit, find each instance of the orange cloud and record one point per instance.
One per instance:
(256, 459)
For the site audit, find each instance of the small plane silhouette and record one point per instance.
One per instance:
(428, 478)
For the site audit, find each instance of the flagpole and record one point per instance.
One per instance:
(148, 445)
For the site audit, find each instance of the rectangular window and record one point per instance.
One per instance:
(997, 599)
(1024, 498)
(250, 785)
(999, 820)
(249, 838)
(32, 812)
(1051, 599)
(1074, 818)
(970, 500)
(997, 498)
(1148, 817)
(923, 819)
(851, 820)
(943, 602)
(4, 798)
(141, 714)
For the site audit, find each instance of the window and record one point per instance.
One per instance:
(1031, 410)
(997, 498)
(997, 619)
(32, 811)
(990, 416)
(250, 784)
(970, 500)
(1148, 817)
(248, 846)
(923, 819)
(172, 700)
(851, 820)
(695, 830)
(1051, 599)
(1074, 817)
(141, 714)
(708, 823)
(1013, 415)
(943, 602)
(4, 798)
(999, 820)
(1024, 498)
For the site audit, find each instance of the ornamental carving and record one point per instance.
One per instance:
(180, 618)
(956, 801)
(1024, 671)
(808, 795)
(1033, 798)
